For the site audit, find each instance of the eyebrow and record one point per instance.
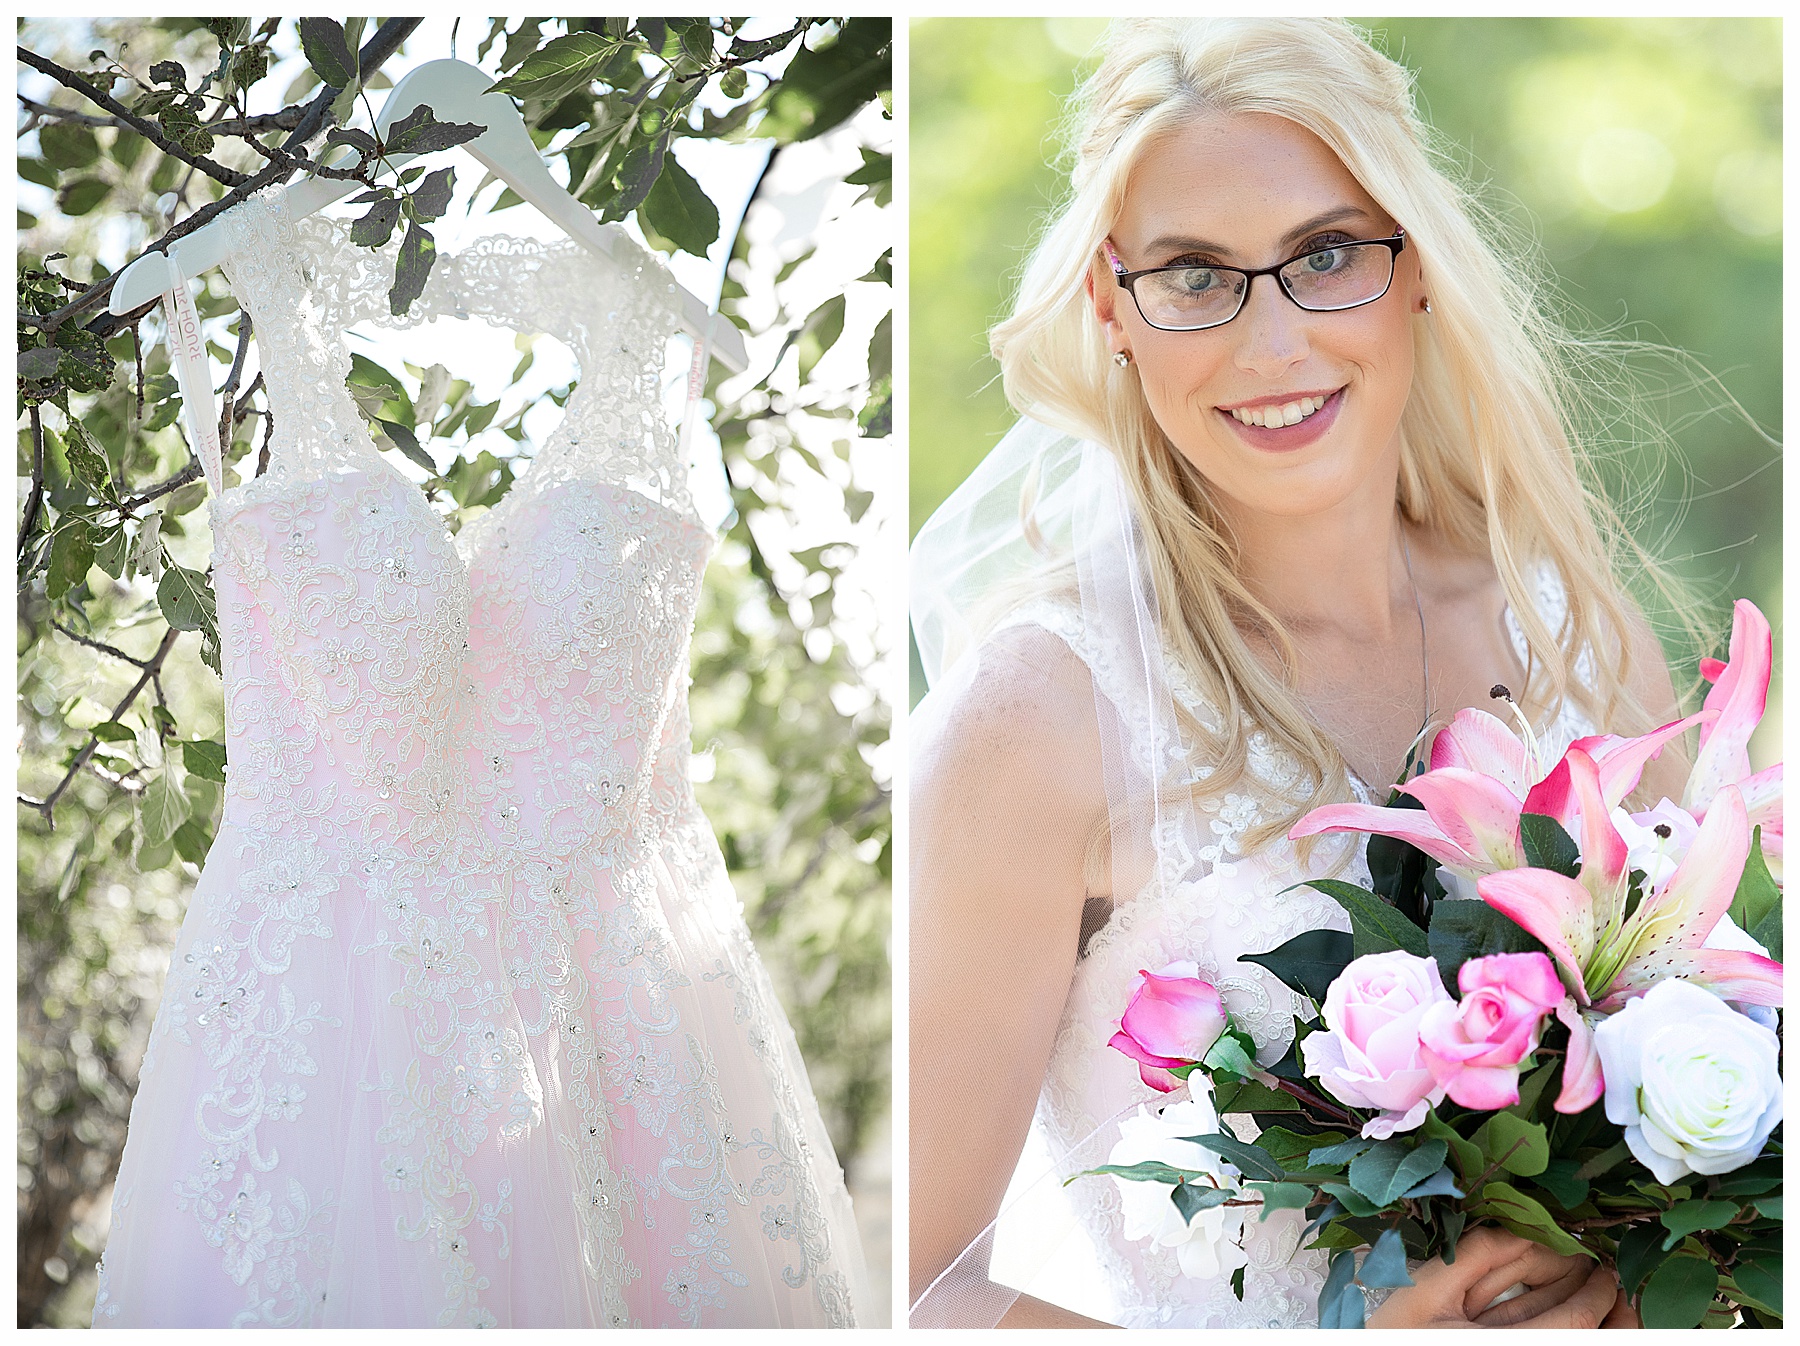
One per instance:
(1187, 243)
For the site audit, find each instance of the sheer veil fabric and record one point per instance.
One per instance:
(463, 1026)
(1036, 563)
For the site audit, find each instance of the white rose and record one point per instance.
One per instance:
(1695, 1084)
(1210, 1246)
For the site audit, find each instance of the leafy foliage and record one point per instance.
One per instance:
(121, 721)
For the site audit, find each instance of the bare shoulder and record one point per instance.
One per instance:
(1021, 720)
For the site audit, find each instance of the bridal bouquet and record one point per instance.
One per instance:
(1586, 1054)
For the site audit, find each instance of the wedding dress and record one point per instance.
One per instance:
(1208, 897)
(464, 1026)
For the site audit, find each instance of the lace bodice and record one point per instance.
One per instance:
(464, 1026)
(1221, 900)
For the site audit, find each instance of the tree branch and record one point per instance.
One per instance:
(93, 644)
(34, 502)
(47, 805)
(189, 473)
(375, 51)
(228, 407)
(147, 129)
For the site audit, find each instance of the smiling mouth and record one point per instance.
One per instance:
(1287, 413)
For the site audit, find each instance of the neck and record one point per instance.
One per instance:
(1345, 571)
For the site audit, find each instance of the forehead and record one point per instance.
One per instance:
(1241, 181)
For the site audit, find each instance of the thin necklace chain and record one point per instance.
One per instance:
(1424, 644)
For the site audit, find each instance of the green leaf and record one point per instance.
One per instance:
(192, 840)
(1342, 1153)
(1525, 1217)
(1679, 1292)
(87, 461)
(1687, 1217)
(1548, 846)
(1228, 1054)
(36, 170)
(1307, 963)
(1249, 1096)
(1757, 907)
(111, 731)
(113, 550)
(402, 438)
(418, 250)
(68, 144)
(1386, 1169)
(822, 328)
(376, 227)
(826, 84)
(680, 211)
(1252, 1161)
(1531, 1089)
(1376, 927)
(1191, 1200)
(1761, 1279)
(1464, 930)
(1769, 1207)
(558, 68)
(1561, 1178)
(162, 808)
(82, 195)
(1515, 1144)
(420, 132)
(431, 198)
(881, 349)
(1281, 1196)
(733, 83)
(1441, 1183)
(1640, 1253)
(1352, 1200)
(205, 758)
(638, 171)
(1341, 1302)
(328, 52)
(71, 557)
(1385, 1266)
(343, 107)
(186, 598)
(1149, 1170)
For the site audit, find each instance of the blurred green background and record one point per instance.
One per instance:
(1642, 155)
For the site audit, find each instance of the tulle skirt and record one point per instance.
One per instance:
(382, 1091)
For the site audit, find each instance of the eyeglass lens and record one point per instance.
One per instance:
(1205, 296)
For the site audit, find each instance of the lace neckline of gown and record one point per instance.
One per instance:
(348, 284)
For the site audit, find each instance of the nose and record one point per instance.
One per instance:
(1271, 330)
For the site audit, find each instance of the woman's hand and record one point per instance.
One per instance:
(1560, 1292)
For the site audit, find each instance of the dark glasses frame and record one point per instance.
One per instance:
(1128, 279)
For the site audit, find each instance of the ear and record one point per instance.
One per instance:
(1103, 291)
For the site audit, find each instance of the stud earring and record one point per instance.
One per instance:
(1121, 358)
(1425, 305)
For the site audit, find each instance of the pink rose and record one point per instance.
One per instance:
(1474, 1046)
(1173, 1020)
(1369, 1057)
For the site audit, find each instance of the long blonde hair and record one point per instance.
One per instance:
(1488, 458)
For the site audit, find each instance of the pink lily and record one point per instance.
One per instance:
(1482, 778)
(1606, 960)
(1740, 693)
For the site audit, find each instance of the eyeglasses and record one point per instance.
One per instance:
(1190, 298)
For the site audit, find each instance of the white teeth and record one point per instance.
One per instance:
(1291, 413)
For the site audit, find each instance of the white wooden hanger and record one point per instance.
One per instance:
(456, 92)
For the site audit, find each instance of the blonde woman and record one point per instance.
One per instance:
(1295, 478)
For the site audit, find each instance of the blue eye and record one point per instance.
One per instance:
(1199, 279)
(1327, 259)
